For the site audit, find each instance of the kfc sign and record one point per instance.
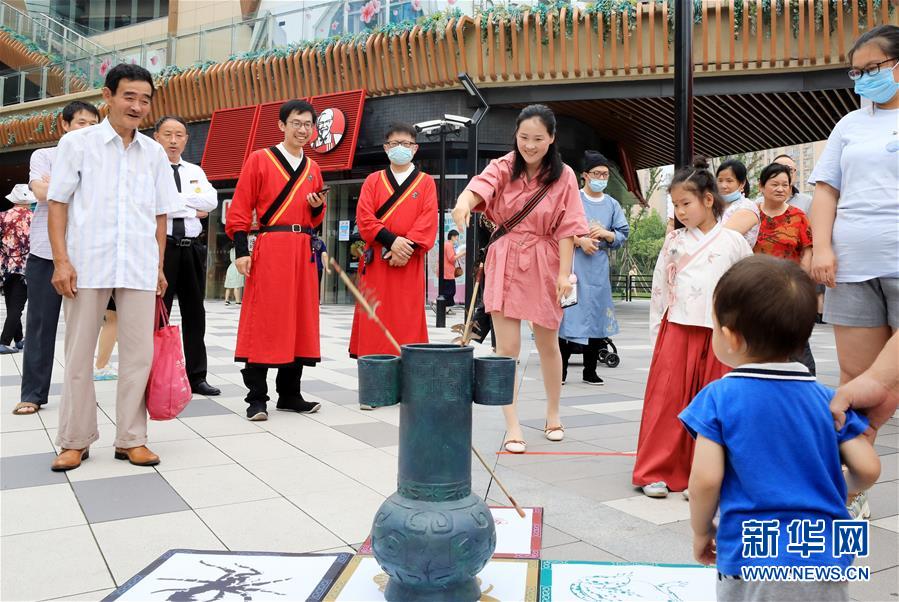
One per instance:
(331, 125)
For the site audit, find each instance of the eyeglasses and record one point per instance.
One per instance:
(403, 143)
(855, 74)
(598, 175)
(306, 125)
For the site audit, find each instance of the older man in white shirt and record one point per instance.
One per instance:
(185, 253)
(110, 190)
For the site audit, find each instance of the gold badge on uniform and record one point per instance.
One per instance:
(196, 183)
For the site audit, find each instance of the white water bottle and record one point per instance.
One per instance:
(571, 298)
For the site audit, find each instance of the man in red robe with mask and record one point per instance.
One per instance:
(397, 218)
(279, 317)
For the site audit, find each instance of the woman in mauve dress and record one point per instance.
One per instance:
(528, 269)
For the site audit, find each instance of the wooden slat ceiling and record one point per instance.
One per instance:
(723, 125)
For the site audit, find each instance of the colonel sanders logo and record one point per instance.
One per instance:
(331, 125)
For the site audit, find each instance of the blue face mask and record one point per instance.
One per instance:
(879, 88)
(597, 185)
(400, 155)
(734, 196)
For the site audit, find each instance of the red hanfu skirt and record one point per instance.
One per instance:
(682, 364)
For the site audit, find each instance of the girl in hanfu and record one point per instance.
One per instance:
(585, 325)
(692, 260)
(529, 261)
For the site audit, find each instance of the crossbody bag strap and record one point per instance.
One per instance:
(520, 215)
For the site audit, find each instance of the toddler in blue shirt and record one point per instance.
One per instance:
(766, 452)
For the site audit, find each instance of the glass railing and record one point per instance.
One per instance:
(48, 35)
(84, 64)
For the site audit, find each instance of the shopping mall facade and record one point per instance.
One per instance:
(763, 80)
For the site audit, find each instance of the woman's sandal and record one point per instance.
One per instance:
(554, 433)
(515, 446)
(22, 407)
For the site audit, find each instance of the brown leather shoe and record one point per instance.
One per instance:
(69, 459)
(139, 456)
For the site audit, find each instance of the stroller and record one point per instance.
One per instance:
(608, 352)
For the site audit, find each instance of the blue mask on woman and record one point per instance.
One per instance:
(879, 88)
(733, 196)
(400, 155)
(597, 185)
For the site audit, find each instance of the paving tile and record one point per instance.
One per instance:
(103, 465)
(883, 586)
(608, 487)
(23, 443)
(575, 421)
(155, 535)
(282, 475)
(889, 468)
(346, 512)
(311, 385)
(657, 511)
(127, 497)
(884, 549)
(612, 406)
(578, 550)
(188, 453)
(371, 467)
(312, 437)
(70, 555)
(273, 525)
(883, 499)
(30, 470)
(38, 509)
(26, 422)
(553, 537)
(218, 485)
(94, 596)
(376, 434)
(218, 426)
(254, 447)
(203, 406)
(891, 523)
(342, 397)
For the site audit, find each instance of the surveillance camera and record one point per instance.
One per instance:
(426, 126)
(458, 120)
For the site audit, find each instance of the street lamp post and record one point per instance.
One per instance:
(683, 83)
(471, 235)
(441, 127)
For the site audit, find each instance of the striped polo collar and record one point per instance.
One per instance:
(772, 371)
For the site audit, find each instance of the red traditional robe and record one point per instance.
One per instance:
(279, 316)
(398, 291)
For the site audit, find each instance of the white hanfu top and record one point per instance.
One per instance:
(687, 271)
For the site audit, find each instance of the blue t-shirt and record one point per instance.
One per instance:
(782, 458)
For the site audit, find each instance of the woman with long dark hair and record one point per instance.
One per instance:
(529, 265)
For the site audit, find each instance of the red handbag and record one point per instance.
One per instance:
(168, 389)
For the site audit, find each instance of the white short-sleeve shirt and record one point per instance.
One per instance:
(40, 164)
(861, 160)
(114, 195)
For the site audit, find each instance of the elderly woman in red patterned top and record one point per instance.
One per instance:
(785, 231)
(15, 228)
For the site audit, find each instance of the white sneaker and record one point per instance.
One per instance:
(686, 494)
(859, 508)
(658, 489)
(107, 373)
(365, 406)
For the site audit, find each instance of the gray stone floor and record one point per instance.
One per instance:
(313, 483)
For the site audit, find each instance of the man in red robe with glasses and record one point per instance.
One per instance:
(279, 317)
(397, 218)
